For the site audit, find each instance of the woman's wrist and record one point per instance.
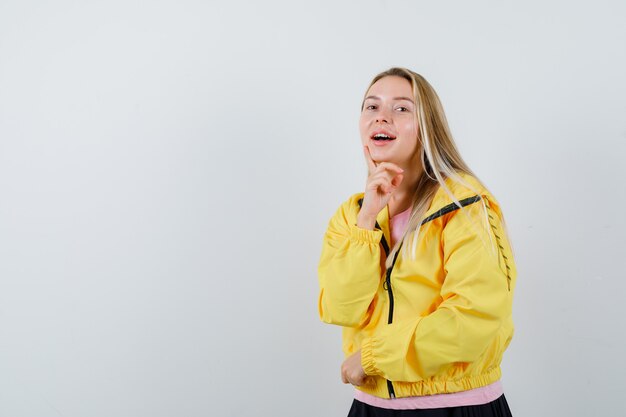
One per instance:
(365, 222)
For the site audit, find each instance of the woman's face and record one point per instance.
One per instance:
(388, 124)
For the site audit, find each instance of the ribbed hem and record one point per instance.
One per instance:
(364, 235)
(474, 396)
(367, 357)
(443, 385)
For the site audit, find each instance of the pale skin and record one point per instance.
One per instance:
(394, 167)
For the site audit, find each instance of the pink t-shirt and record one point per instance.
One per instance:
(398, 224)
(476, 396)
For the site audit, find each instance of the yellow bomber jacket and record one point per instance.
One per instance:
(435, 324)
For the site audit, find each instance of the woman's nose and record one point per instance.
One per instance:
(382, 116)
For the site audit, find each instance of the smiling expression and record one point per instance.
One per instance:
(388, 124)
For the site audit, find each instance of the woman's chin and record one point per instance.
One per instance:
(379, 157)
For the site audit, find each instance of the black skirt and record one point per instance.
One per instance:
(496, 408)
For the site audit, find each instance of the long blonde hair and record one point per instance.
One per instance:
(439, 155)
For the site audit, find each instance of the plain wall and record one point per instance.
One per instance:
(168, 169)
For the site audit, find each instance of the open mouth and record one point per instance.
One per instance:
(382, 137)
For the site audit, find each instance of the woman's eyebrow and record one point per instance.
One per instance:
(395, 98)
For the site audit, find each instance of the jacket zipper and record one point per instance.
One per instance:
(387, 283)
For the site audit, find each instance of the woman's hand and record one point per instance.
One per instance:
(352, 372)
(382, 181)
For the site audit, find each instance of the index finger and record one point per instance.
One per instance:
(371, 165)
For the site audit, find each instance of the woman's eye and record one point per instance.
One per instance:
(370, 107)
(403, 109)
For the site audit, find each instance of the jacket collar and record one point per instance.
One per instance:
(441, 203)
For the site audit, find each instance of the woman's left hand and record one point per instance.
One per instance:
(351, 370)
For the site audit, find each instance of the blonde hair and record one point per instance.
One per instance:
(440, 156)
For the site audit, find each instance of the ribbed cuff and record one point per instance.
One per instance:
(367, 357)
(364, 235)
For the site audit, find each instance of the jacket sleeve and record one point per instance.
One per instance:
(476, 299)
(349, 269)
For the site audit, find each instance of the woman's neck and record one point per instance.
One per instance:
(402, 198)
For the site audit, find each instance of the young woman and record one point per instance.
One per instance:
(418, 269)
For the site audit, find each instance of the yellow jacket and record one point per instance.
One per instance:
(435, 324)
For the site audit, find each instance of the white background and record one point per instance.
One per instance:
(168, 168)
